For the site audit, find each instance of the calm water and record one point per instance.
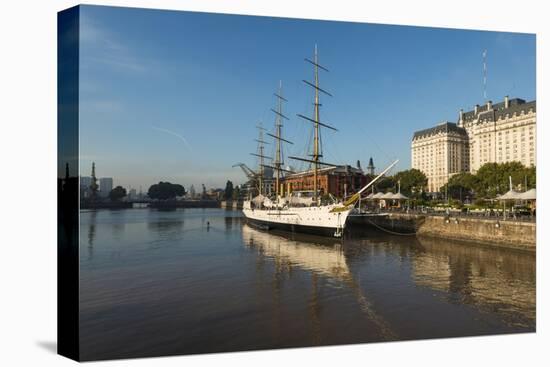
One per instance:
(164, 282)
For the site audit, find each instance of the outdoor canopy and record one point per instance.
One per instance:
(399, 196)
(388, 195)
(529, 195)
(510, 195)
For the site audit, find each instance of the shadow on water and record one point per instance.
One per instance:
(165, 226)
(494, 280)
(228, 223)
(91, 233)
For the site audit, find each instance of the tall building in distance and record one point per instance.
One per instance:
(440, 152)
(501, 132)
(85, 183)
(105, 186)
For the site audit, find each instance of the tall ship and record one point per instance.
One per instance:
(306, 211)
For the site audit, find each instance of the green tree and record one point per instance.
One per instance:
(117, 193)
(516, 171)
(490, 180)
(236, 193)
(385, 184)
(461, 186)
(228, 194)
(530, 178)
(494, 178)
(412, 182)
(165, 191)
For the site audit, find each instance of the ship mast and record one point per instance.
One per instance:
(278, 124)
(317, 124)
(316, 152)
(260, 154)
(278, 162)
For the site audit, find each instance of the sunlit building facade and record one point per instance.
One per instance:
(501, 132)
(440, 152)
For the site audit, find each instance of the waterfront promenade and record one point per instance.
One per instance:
(489, 214)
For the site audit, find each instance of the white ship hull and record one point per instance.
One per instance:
(315, 219)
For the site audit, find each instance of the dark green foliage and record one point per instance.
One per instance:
(493, 178)
(236, 193)
(228, 194)
(165, 191)
(412, 181)
(385, 184)
(117, 193)
(461, 186)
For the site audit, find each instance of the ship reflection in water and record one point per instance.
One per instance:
(197, 281)
(320, 256)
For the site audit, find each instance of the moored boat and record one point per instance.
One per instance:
(300, 211)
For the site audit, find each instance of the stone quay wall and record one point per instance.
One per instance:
(502, 233)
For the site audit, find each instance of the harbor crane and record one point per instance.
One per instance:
(252, 177)
(250, 174)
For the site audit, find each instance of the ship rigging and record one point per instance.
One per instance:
(299, 211)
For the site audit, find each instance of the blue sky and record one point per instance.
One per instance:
(176, 96)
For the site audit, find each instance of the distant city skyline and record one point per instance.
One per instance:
(175, 96)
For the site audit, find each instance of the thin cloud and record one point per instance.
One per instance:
(181, 137)
(104, 48)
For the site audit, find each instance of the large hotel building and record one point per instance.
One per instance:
(501, 132)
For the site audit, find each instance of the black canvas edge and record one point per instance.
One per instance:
(68, 24)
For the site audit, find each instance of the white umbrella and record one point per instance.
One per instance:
(388, 195)
(528, 195)
(510, 195)
(378, 195)
(399, 196)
